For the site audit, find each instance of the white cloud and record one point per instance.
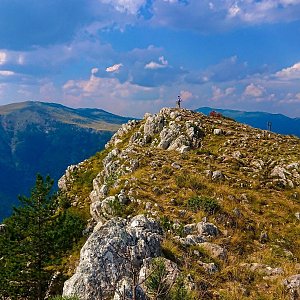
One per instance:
(253, 90)
(114, 68)
(155, 65)
(3, 58)
(186, 95)
(6, 73)
(292, 72)
(218, 93)
(129, 6)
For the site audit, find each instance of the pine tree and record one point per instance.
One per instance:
(29, 242)
(35, 238)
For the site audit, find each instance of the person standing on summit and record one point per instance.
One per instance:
(178, 102)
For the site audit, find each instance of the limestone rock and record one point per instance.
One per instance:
(292, 284)
(207, 229)
(215, 250)
(217, 176)
(109, 255)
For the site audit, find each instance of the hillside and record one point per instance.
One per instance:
(46, 138)
(215, 201)
(280, 123)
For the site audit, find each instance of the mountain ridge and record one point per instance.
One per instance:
(225, 194)
(40, 137)
(280, 123)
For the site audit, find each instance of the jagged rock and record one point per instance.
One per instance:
(215, 250)
(175, 165)
(293, 166)
(171, 270)
(154, 124)
(218, 131)
(292, 284)
(236, 154)
(66, 179)
(189, 228)
(207, 229)
(262, 269)
(102, 210)
(297, 215)
(123, 198)
(217, 176)
(110, 254)
(279, 172)
(191, 240)
(263, 237)
(209, 267)
(126, 289)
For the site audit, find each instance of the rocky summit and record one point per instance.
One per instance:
(186, 206)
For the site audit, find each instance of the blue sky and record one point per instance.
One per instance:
(135, 56)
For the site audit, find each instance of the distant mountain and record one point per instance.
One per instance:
(45, 138)
(280, 123)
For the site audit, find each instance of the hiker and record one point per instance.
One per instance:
(178, 102)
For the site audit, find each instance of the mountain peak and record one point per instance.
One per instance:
(225, 194)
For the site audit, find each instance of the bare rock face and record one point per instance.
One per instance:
(111, 253)
(166, 130)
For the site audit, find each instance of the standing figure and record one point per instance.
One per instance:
(178, 102)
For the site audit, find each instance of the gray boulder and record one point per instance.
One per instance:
(207, 229)
(292, 284)
(112, 252)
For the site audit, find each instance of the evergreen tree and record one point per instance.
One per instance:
(35, 238)
(30, 241)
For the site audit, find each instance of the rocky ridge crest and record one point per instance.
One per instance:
(200, 178)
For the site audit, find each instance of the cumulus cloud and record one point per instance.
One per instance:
(253, 90)
(292, 72)
(186, 95)
(218, 93)
(6, 73)
(114, 68)
(96, 85)
(129, 6)
(157, 65)
(219, 15)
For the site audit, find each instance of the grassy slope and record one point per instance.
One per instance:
(262, 207)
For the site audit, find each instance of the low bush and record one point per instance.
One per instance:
(209, 205)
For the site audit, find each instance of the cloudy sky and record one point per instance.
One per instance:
(133, 56)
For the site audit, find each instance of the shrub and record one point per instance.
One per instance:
(179, 291)
(207, 204)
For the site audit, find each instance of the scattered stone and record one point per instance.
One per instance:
(292, 284)
(207, 229)
(263, 269)
(264, 237)
(218, 131)
(175, 165)
(215, 250)
(217, 176)
(189, 228)
(210, 268)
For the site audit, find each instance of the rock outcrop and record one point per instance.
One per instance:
(112, 253)
(179, 167)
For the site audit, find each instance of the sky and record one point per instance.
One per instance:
(135, 56)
